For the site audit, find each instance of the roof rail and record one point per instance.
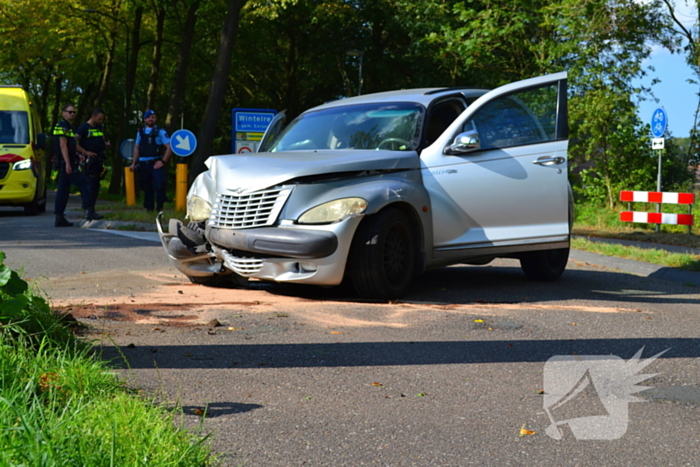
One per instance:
(456, 88)
(11, 86)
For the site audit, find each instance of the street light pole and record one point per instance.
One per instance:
(361, 54)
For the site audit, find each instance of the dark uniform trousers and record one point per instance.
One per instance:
(63, 189)
(151, 180)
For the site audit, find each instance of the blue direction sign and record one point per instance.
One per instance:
(659, 122)
(183, 143)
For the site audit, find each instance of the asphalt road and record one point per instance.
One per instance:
(448, 376)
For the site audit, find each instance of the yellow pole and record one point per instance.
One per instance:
(181, 187)
(130, 188)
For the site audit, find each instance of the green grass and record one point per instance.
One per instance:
(654, 256)
(61, 405)
(597, 221)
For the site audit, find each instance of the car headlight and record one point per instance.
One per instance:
(333, 211)
(198, 209)
(23, 165)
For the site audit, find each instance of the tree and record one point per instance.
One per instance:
(214, 105)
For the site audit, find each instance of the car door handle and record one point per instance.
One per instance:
(549, 160)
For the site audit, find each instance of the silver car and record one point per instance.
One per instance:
(381, 187)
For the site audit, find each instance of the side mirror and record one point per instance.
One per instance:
(41, 141)
(464, 143)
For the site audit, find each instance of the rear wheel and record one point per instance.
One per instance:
(383, 256)
(545, 265)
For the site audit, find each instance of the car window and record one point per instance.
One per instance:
(14, 127)
(525, 117)
(395, 126)
(440, 117)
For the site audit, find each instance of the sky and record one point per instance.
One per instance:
(675, 95)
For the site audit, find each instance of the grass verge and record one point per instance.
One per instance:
(60, 405)
(654, 256)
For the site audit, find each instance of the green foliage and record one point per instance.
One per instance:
(26, 313)
(59, 405)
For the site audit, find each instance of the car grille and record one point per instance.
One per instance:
(241, 265)
(4, 167)
(257, 209)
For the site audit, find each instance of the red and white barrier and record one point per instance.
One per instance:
(657, 197)
(657, 217)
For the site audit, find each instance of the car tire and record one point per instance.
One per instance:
(42, 201)
(545, 265)
(383, 256)
(34, 207)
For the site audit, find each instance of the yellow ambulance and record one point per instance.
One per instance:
(22, 152)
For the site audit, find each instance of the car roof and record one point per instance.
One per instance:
(423, 96)
(13, 98)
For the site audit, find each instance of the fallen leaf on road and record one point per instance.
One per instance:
(421, 394)
(524, 431)
(540, 391)
(180, 292)
(336, 332)
(377, 384)
(199, 412)
(478, 320)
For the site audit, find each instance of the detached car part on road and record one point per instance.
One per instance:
(379, 188)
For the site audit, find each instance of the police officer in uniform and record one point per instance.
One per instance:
(91, 142)
(151, 152)
(68, 161)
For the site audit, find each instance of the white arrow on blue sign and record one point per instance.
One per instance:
(183, 143)
(659, 121)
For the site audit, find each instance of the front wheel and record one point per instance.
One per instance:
(545, 265)
(382, 259)
(221, 280)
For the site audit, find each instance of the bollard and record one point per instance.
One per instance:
(181, 187)
(130, 188)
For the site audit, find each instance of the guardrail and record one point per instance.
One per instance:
(657, 217)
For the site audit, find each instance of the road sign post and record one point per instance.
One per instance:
(183, 143)
(659, 123)
(126, 149)
(248, 127)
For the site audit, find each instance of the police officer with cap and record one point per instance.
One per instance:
(90, 138)
(151, 152)
(67, 163)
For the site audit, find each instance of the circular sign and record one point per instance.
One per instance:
(659, 122)
(183, 143)
(126, 149)
(244, 149)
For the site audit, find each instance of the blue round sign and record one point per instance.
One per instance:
(659, 122)
(183, 143)
(126, 149)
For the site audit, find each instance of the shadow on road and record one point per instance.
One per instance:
(375, 354)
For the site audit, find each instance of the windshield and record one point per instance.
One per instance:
(393, 127)
(14, 127)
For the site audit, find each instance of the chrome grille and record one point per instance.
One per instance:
(241, 265)
(257, 209)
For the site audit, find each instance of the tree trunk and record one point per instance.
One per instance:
(157, 56)
(183, 62)
(107, 72)
(115, 182)
(218, 89)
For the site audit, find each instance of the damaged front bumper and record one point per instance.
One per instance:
(287, 253)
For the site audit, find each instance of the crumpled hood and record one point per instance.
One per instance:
(248, 173)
